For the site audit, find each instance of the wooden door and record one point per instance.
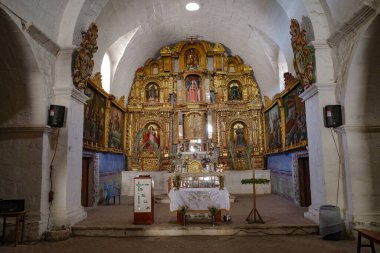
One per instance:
(85, 174)
(304, 181)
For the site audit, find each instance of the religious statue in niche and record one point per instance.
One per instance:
(151, 92)
(192, 59)
(234, 91)
(151, 137)
(193, 85)
(238, 132)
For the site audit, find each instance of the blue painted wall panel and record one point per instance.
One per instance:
(109, 162)
(281, 168)
(280, 163)
(110, 167)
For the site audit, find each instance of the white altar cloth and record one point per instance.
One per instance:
(199, 198)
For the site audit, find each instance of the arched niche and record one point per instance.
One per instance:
(151, 139)
(194, 88)
(235, 91)
(152, 92)
(195, 125)
(239, 135)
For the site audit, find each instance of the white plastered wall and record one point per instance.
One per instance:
(25, 141)
(361, 131)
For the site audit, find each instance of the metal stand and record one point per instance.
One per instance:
(253, 216)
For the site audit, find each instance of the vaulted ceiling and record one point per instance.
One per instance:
(257, 31)
(131, 31)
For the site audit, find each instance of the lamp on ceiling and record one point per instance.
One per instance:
(192, 6)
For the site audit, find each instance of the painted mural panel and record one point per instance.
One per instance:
(281, 170)
(115, 128)
(273, 128)
(94, 123)
(295, 117)
(110, 168)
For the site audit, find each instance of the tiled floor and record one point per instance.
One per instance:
(274, 209)
(193, 244)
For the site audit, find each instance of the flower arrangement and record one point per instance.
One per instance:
(184, 209)
(213, 210)
(177, 181)
(221, 182)
(255, 181)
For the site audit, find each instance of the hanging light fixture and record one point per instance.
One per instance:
(192, 6)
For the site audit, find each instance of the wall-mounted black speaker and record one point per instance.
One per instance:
(56, 115)
(333, 115)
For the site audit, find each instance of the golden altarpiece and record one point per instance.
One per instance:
(194, 106)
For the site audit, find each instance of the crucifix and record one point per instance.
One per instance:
(193, 38)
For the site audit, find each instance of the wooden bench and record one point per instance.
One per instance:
(372, 236)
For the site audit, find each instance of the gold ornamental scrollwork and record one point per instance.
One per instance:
(83, 57)
(185, 112)
(303, 60)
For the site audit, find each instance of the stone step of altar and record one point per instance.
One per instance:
(196, 229)
(164, 199)
(281, 217)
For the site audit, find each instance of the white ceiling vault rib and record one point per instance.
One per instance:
(116, 50)
(362, 15)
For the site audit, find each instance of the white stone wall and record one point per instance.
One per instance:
(160, 179)
(24, 169)
(232, 181)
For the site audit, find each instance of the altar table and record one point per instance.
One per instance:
(199, 198)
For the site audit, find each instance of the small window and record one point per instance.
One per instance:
(155, 69)
(106, 73)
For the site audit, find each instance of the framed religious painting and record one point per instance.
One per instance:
(273, 126)
(94, 123)
(116, 128)
(295, 118)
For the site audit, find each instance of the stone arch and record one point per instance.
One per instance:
(324, 64)
(319, 18)
(68, 22)
(361, 129)
(23, 117)
(21, 80)
(361, 87)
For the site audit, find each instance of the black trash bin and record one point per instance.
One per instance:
(330, 223)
